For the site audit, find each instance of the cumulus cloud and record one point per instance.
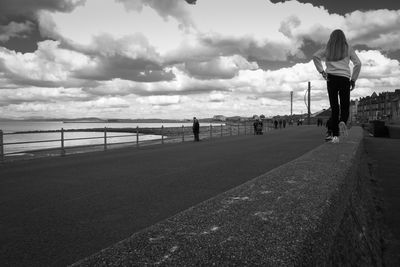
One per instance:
(164, 100)
(122, 68)
(177, 9)
(107, 102)
(376, 65)
(218, 96)
(259, 83)
(219, 67)
(147, 57)
(114, 87)
(105, 107)
(104, 17)
(377, 29)
(41, 95)
(49, 65)
(129, 58)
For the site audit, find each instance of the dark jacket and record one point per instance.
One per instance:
(196, 126)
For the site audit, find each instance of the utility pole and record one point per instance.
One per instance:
(309, 103)
(291, 103)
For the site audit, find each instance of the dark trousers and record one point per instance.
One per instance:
(338, 90)
(196, 136)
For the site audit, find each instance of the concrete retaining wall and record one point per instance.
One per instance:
(310, 211)
(394, 131)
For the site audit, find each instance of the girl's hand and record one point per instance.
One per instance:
(324, 75)
(352, 85)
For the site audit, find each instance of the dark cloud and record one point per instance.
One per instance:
(208, 70)
(142, 90)
(201, 62)
(25, 11)
(218, 68)
(26, 41)
(306, 50)
(9, 9)
(115, 58)
(273, 65)
(211, 46)
(345, 6)
(165, 8)
(394, 55)
(14, 29)
(117, 66)
(244, 46)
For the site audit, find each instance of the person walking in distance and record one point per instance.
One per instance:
(196, 129)
(340, 81)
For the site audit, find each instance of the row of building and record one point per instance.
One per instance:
(382, 106)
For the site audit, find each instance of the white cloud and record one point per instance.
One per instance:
(160, 100)
(218, 97)
(47, 64)
(106, 102)
(104, 107)
(40, 94)
(105, 17)
(376, 65)
(378, 28)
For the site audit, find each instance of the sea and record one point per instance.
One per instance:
(48, 140)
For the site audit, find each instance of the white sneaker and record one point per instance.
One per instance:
(335, 140)
(343, 129)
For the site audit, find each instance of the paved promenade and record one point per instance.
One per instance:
(55, 211)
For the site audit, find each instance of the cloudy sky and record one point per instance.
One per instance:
(172, 59)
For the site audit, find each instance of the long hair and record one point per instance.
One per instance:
(337, 47)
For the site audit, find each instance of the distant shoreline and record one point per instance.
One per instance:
(167, 131)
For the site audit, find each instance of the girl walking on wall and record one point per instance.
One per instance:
(340, 80)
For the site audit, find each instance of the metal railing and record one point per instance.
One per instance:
(166, 134)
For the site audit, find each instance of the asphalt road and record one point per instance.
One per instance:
(55, 211)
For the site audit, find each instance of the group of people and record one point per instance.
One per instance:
(280, 123)
(258, 126)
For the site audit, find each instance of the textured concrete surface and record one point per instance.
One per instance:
(394, 131)
(286, 217)
(384, 154)
(55, 211)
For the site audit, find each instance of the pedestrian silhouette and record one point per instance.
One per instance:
(340, 80)
(196, 129)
